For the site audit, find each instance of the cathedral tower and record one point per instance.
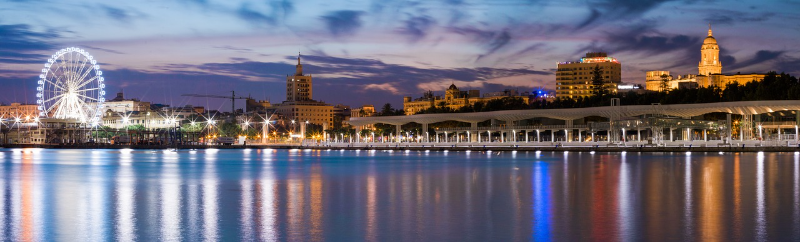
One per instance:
(709, 62)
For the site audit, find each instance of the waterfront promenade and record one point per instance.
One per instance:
(697, 146)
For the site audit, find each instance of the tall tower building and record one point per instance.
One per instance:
(298, 86)
(709, 62)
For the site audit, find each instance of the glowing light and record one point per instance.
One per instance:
(74, 94)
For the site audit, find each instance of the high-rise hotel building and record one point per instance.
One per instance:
(574, 79)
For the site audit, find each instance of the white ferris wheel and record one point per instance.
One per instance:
(71, 87)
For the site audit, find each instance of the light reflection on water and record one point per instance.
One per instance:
(313, 195)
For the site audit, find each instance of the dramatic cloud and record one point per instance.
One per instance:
(492, 41)
(20, 44)
(254, 17)
(761, 57)
(644, 39)
(343, 22)
(614, 10)
(735, 17)
(416, 27)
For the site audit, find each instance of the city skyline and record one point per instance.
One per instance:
(373, 53)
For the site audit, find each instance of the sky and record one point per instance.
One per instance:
(374, 52)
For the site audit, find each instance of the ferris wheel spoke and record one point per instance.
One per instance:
(87, 97)
(55, 85)
(89, 89)
(52, 98)
(86, 82)
(85, 71)
(56, 104)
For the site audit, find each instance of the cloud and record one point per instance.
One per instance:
(735, 17)
(343, 22)
(20, 44)
(103, 49)
(762, 56)
(602, 11)
(254, 17)
(341, 79)
(492, 41)
(382, 87)
(416, 27)
(643, 39)
(117, 13)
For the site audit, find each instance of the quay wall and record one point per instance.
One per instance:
(598, 148)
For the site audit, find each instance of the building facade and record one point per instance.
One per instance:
(18, 110)
(709, 72)
(709, 56)
(121, 105)
(298, 86)
(455, 99)
(574, 79)
(300, 105)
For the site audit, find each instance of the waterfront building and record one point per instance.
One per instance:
(454, 98)
(18, 110)
(252, 105)
(120, 104)
(300, 105)
(574, 79)
(363, 111)
(298, 86)
(709, 72)
(651, 125)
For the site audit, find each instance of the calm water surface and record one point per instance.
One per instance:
(304, 195)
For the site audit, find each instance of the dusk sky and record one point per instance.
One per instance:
(374, 52)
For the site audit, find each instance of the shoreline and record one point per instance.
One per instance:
(427, 148)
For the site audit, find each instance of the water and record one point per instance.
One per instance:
(304, 195)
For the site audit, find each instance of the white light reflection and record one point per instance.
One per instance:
(624, 200)
(246, 219)
(687, 202)
(170, 202)
(269, 231)
(210, 208)
(3, 214)
(796, 193)
(125, 199)
(761, 220)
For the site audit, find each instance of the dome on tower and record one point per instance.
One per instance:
(452, 87)
(710, 40)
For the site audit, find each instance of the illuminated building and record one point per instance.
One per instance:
(574, 79)
(709, 72)
(121, 105)
(298, 86)
(654, 79)
(709, 56)
(363, 111)
(455, 99)
(19, 110)
(299, 105)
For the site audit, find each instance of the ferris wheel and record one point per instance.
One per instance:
(71, 87)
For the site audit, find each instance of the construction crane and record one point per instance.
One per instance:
(232, 97)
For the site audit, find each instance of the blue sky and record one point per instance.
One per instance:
(373, 52)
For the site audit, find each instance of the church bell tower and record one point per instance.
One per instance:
(709, 54)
